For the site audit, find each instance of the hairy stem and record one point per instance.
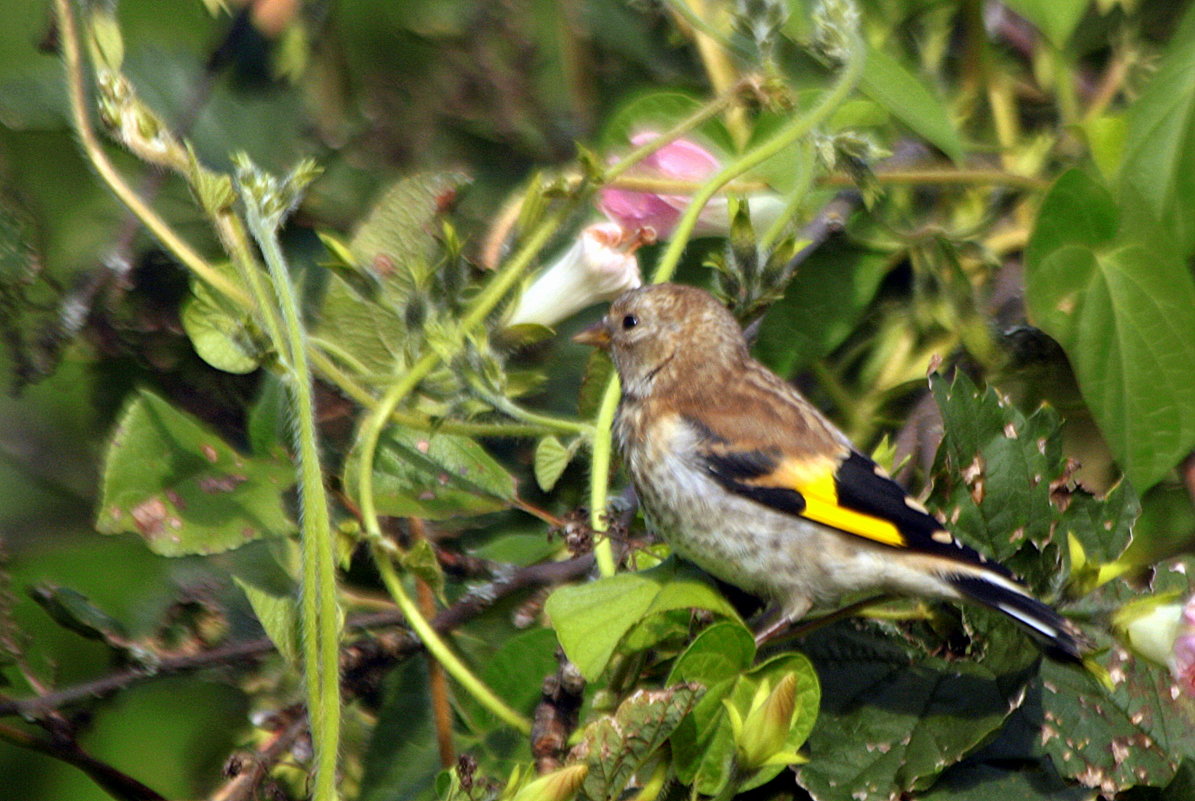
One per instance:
(320, 613)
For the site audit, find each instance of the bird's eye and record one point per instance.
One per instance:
(630, 321)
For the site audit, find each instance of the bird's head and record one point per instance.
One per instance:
(666, 334)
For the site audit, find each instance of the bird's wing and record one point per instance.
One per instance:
(784, 455)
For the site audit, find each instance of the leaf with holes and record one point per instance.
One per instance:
(432, 475)
(184, 490)
(618, 745)
(909, 717)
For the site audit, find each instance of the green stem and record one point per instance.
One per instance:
(748, 161)
(72, 57)
(436, 646)
(599, 476)
(479, 309)
(602, 445)
(320, 614)
(795, 198)
(509, 407)
(706, 112)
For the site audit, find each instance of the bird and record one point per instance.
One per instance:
(744, 477)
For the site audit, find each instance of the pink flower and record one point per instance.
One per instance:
(658, 213)
(679, 160)
(600, 265)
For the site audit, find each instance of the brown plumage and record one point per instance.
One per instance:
(742, 476)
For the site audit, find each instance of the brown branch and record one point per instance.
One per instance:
(251, 769)
(65, 749)
(437, 679)
(373, 654)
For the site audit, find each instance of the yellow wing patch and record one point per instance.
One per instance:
(815, 481)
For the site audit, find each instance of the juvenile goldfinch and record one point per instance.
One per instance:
(743, 477)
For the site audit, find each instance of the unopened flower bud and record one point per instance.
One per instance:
(600, 265)
(559, 785)
(760, 737)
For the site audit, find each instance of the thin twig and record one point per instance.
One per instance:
(116, 783)
(468, 607)
(243, 786)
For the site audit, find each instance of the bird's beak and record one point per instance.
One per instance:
(597, 335)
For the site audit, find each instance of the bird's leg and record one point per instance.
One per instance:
(771, 623)
(777, 630)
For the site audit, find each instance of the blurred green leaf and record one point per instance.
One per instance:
(821, 307)
(182, 488)
(401, 759)
(1056, 19)
(656, 111)
(397, 239)
(361, 333)
(886, 81)
(619, 745)
(74, 611)
(432, 475)
(591, 619)
(1158, 175)
(420, 560)
(278, 615)
(721, 651)
(1126, 318)
(219, 332)
(1125, 315)
(551, 457)
(1077, 210)
(517, 668)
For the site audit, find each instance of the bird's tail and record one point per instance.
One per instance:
(1059, 637)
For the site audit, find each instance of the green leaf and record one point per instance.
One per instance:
(218, 331)
(657, 111)
(995, 468)
(73, 610)
(1158, 176)
(1126, 319)
(1077, 210)
(551, 457)
(397, 241)
(517, 669)
(908, 716)
(821, 307)
(365, 335)
(1056, 19)
(182, 488)
(619, 745)
(886, 81)
(1134, 735)
(719, 652)
(703, 744)
(277, 615)
(986, 782)
(591, 619)
(401, 760)
(806, 702)
(421, 561)
(432, 475)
